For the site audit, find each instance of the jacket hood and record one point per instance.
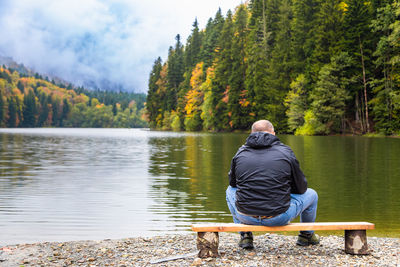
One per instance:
(261, 139)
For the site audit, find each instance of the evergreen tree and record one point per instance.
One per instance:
(280, 67)
(258, 57)
(65, 111)
(220, 85)
(296, 102)
(12, 113)
(210, 40)
(55, 104)
(44, 113)
(238, 102)
(193, 47)
(359, 41)
(329, 96)
(304, 22)
(328, 35)
(29, 110)
(176, 69)
(2, 109)
(385, 105)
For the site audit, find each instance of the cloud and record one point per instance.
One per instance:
(109, 44)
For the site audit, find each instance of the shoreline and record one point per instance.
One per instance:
(270, 250)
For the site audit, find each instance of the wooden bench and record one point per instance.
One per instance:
(354, 232)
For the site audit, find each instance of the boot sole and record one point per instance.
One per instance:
(306, 244)
(247, 246)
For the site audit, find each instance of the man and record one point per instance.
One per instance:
(267, 187)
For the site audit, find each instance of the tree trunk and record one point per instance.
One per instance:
(207, 243)
(356, 242)
(359, 115)
(365, 86)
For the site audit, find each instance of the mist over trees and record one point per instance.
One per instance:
(308, 66)
(31, 101)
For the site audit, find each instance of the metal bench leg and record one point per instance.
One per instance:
(355, 242)
(207, 243)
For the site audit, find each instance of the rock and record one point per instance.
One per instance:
(197, 262)
(270, 250)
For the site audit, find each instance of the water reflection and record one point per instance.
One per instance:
(356, 177)
(69, 184)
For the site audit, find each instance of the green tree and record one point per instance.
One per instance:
(2, 109)
(29, 110)
(385, 104)
(305, 14)
(44, 112)
(176, 69)
(296, 102)
(12, 113)
(193, 47)
(66, 108)
(359, 41)
(280, 66)
(220, 85)
(238, 102)
(153, 101)
(258, 53)
(328, 35)
(210, 40)
(330, 95)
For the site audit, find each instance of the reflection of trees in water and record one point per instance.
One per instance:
(23, 156)
(190, 172)
(357, 178)
(15, 165)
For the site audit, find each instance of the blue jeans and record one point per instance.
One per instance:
(304, 205)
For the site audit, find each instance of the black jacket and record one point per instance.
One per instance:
(265, 172)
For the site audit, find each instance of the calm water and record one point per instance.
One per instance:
(71, 184)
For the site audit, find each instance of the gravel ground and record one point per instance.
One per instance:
(270, 250)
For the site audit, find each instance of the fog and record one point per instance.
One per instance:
(98, 43)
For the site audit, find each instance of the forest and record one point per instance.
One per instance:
(34, 101)
(311, 67)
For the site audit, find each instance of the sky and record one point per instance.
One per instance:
(108, 44)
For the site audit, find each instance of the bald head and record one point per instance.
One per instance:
(263, 126)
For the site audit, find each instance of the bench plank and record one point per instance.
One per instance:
(232, 227)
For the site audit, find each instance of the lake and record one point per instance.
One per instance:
(74, 184)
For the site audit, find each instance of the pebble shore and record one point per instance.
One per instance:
(270, 250)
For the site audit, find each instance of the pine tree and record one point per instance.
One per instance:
(359, 42)
(29, 110)
(2, 109)
(238, 102)
(223, 68)
(296, 102)
(329, 96)
(66, 108)
(305, 14)
(258, 53)
(12, 113)
(193, 47)
(328, 35)
(385, 105)
(44, 112)
(211, 35)
(153, 101)
(280, 67)
(176, 69)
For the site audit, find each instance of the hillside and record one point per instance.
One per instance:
(311, 67)
(31, 101)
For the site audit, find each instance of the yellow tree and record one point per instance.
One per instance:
(194, 100)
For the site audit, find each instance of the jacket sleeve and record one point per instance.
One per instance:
(299, 181)
(231, 174)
